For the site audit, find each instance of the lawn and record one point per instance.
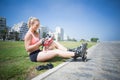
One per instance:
(16, 65)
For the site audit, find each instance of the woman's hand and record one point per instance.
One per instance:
(41, 41)
(47, 41)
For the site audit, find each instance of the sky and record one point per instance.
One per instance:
(80, 19)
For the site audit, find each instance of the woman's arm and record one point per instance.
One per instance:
(28, 47)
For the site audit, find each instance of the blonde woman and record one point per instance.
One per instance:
(33, 42)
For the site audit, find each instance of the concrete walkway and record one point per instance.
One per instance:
(103, 64)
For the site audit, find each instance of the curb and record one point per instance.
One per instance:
(47, 73)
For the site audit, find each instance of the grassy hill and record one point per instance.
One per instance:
(16, 65)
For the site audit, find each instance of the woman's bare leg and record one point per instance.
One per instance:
(57, 45)
(46, 55)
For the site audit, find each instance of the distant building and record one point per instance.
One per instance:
(66, 37)
(43, 30)
(2, 23)
(21, 28)
(59, 34)
(56, 36)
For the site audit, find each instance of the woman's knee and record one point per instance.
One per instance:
(52, 46)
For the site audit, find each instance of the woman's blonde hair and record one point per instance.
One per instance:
(31, 21)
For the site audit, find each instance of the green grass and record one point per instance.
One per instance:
(16, 65)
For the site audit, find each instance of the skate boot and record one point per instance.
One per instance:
(84, 52)
(81, 52)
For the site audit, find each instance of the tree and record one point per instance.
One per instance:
(74, 39)
(94, 39)
(82, 40)
(16, 37)
(3, 32)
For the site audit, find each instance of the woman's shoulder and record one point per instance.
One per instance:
(28, 35)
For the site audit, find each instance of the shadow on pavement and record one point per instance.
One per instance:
(79, 60)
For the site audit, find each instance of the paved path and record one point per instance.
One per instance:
(103, 64)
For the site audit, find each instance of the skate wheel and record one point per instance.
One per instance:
(84, 58)
(74, 59)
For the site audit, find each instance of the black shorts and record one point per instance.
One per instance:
(33, 55)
